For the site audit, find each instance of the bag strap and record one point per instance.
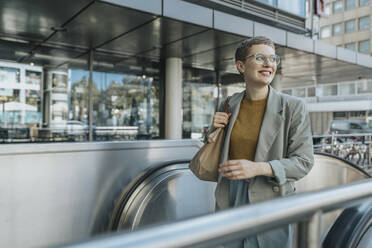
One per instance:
(226, 107)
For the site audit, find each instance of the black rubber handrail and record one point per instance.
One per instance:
(345, 161)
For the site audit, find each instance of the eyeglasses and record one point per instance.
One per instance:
(260, 59)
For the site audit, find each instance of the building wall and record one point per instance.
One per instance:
(346, 15)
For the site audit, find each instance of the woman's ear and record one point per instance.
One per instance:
(240, 66)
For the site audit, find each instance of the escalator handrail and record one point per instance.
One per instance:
(348, 162)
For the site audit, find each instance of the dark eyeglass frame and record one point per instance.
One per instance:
(273, 59)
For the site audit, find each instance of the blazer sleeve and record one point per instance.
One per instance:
(300, 155)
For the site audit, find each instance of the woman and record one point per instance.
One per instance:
(268, 143)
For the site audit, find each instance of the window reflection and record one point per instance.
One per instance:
(125, 106)
(295, 7)
(20, 100)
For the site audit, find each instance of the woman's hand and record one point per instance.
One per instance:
(244, 169)
(221, 119)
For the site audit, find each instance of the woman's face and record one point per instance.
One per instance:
(256, 74)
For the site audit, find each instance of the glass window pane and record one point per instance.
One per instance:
(349, 4)
(199, 101)
(350, 46)
(288, 92)
(33, 107)
(33, 78)
(350, 26)
(363, 2)
(299, 92)
(79, 96)
(311, 92)
(325, 32)
(365, 87)
(9, 76)
(330, 90)
(273, 3)
(364, 46)
(346, 89)
(296, 7)
(364, 23)
(59, 83)
(339, 114)
(337, 29)
(327, 9)
(337, 7)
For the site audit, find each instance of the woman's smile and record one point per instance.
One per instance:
(265, 73)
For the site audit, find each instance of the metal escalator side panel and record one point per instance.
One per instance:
(169, 194)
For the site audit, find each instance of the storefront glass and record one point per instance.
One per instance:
(125, 106)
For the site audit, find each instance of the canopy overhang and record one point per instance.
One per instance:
(136, 35)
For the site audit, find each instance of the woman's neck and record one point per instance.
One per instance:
(256, 93)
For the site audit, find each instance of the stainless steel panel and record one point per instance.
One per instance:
(158, 33)
(346, 55)
(170, 194)
(279, 36)
(188, 12)
(300, 42)
(153, 6)
(34, 19)
(57, 193)
(222, 57)
(203, 42)
(325, 49)
(233, 24)
(100, 23)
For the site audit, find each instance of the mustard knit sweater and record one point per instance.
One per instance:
(246, 130)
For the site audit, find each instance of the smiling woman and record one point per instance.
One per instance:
(267, 144)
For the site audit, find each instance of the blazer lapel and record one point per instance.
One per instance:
(234, 106)
(271, 124)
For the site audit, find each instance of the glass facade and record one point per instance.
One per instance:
(350, 26)
(364, 87)
(349, 4)
(363, 46)
(299, 92)
(350, 46)
(330, 90)
(20, 99)
(296, 7)
(346, 89)
(337, 29)
(364, 23)
(337, 6)
(125, 106)
(364, 2)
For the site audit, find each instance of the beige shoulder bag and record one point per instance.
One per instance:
(206, 161)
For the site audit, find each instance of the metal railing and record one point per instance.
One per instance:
(238, 223)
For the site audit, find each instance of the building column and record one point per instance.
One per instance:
(173, 98)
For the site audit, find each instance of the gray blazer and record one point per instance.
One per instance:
(285, 142)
